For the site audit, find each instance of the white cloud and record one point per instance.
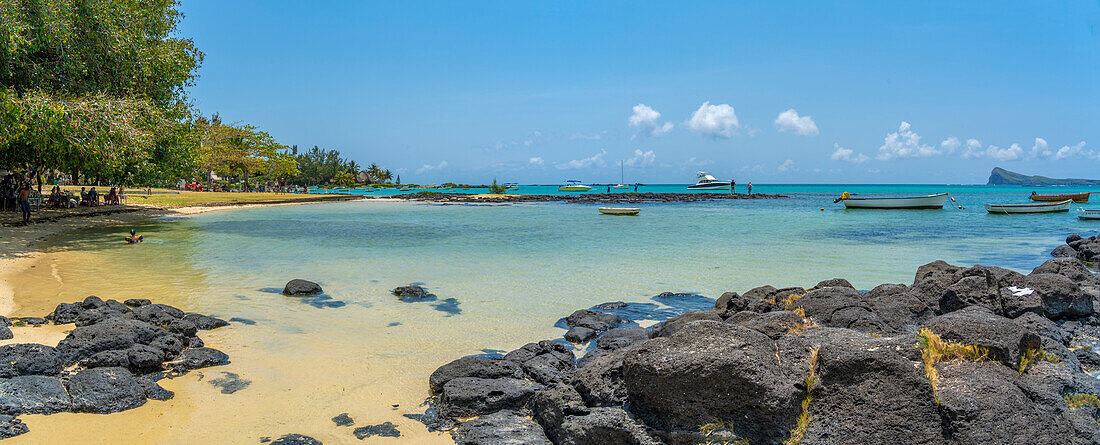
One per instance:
(1040, 149)
(695, 162)
(904, 143)
(532, 138)
(536, 161)
(1077, 149)
(755, 168)
(594, 160)
(950, 144)
(974, 150)
(994, 152)
(1011, 153)
(716, 121)
(588, 137)
(427, 167)
(787, 165)
(846, 154)
(790, 121)
(641, 159)
(645, 120)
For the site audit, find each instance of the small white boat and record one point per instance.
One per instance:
(1088, 213)
(704, 181)
(1044, 207)
(511, 185)
(574, 185)
(934, 201)
(619, 211)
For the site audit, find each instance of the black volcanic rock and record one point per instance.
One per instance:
(29, 359)
(480, 367)
(742, 369)
(105, 390)
(298, 287)
(503, 427)
(672, 382)
(33, 394)
(472, 396)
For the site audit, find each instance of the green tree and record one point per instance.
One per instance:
(242, 151)
(345, 178)
(96, 87)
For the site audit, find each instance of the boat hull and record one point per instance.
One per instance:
(1088, 214)
(1075, 197)
(911, 202)
(574, 188)
(619, 211)
(1010, 209)
(709, 187)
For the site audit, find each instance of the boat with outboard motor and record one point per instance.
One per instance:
(1079, 198)
(1045, 207)
(933, 201)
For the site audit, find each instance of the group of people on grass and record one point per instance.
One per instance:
(17, 193)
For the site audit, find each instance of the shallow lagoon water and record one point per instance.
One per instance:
(503, 276)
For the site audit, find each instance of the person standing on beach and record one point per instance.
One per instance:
(733, 187)
(750, 187)
(25, 203)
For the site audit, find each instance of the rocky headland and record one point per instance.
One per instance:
(110, 361)
(625, 198)
(962, 355)
(1000, 176)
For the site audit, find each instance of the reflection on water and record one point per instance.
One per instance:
(504, 276)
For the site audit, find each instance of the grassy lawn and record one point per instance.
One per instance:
(186, 198)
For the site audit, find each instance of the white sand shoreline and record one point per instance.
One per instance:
(18, 252)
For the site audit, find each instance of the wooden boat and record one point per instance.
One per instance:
(1046, 207)
(1075, 197)
(619, 211)
(1088, 213)
(934, 201)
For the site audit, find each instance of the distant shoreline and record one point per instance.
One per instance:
(582, 198)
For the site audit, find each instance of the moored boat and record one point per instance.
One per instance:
(622, 174)
(704, 181)
(619, 211)
(1075, 197)
(1046, 207)
(1088, 213)
(934, 201)
(574, 185)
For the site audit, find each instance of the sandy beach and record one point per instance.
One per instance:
(17, 242)
(31, 284)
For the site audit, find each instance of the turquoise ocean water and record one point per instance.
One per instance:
(505, 274)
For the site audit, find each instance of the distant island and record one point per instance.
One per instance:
(1000, 176)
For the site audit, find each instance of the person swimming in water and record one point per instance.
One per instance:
(133, 238)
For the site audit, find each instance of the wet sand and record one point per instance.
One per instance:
(293, 387)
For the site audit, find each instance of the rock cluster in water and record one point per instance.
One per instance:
(962, 355)
(584, 198)
(1076, 246)
(110, 361)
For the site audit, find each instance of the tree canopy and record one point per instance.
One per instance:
(96, 86)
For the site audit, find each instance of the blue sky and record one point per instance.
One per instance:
(538, 92)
